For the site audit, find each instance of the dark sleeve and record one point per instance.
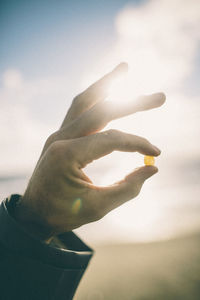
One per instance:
(33, 270)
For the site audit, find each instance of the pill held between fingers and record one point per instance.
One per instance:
(149, 160)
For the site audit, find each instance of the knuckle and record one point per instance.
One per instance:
(55, 149)
(77, 100)
(51, 139)
(137, 189)
(90, 91)
(60, 154)
(144, 140)
(114, 133)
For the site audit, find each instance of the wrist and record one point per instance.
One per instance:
(30, 221)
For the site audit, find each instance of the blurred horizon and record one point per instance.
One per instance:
(50, 51)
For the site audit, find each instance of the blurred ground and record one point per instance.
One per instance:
(150, 271)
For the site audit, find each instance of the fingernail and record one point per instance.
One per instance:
(148, 171)
(157, 150)
(152, 170)
(161, 97)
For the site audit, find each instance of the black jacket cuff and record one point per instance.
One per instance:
(71, 258)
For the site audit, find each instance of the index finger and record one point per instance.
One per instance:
(102, 113)
(92, 147)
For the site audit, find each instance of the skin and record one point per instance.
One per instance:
(59, 196)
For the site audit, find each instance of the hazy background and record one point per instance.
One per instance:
(52, 50)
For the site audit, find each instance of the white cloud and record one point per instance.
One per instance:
(12, 79)
(28, 116)
(160, 40)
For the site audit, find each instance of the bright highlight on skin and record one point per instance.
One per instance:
(76, 206)
(119, 90)
(149, 160)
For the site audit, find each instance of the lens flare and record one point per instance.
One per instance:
(76, 206)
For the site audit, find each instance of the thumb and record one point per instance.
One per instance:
(127, 189)
(141, 174)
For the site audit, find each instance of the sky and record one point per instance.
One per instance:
(52, 50)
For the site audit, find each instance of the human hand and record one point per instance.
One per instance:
(60, 197)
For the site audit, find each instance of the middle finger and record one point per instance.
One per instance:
(101, 114)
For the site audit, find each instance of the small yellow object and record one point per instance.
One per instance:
(149, 160)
